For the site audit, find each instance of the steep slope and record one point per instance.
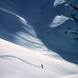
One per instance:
(19, 62)
(39, 26)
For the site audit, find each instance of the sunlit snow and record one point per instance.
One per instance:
(58, 20)
(57, 2)
(19, 62)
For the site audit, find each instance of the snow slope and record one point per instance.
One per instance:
(19, 62)
(38, 26)
(26, 34)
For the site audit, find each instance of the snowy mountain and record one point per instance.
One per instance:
(38, 39)
(19, 62)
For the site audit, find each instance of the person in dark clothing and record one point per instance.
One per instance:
(42, 66)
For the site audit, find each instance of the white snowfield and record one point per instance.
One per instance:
(57, 2)
(19, 62)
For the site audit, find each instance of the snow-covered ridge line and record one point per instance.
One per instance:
(57, 2)
(7, 43)
(10, 12)
(58, 20)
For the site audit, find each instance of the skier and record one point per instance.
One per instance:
(42, 66)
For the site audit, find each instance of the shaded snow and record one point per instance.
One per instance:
(27, 37)
(12, 13)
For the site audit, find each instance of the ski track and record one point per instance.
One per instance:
(26, 62)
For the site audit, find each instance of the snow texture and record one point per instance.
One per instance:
(19, 62)
(31, 35)
(57, 2)
(58, 20)
(27, 38)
